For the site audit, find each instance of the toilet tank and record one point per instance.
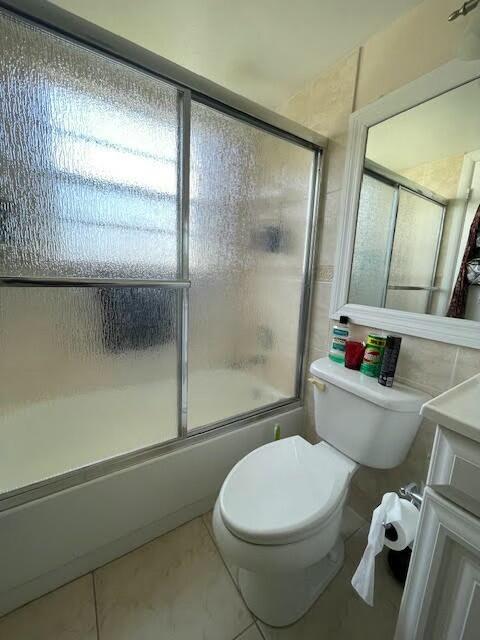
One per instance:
(371, 424)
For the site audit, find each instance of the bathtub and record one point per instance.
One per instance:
(47, 542)
(48, 438)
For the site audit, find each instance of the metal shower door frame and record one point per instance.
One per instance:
(392, 180)
(189, 87)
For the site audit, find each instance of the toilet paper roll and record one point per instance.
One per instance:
(404, 517)
(405, 526)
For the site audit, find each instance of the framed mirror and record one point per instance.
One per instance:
(408, 257)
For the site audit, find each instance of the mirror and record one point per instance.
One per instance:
(417, 236)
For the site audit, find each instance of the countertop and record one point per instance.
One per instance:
(458, 409)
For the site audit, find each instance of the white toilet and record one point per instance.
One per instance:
(279, 511)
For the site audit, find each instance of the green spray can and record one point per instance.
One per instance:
(372, 358)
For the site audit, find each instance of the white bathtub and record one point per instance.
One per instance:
(47, 542)
(48, 438)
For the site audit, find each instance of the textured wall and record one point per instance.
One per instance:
(413, 45)
(441, 176)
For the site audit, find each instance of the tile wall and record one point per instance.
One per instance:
(325, 105)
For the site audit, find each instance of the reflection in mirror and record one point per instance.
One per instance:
(417, 241)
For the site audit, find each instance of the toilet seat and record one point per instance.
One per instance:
(284, 491)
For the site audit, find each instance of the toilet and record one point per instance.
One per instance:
(278, 515)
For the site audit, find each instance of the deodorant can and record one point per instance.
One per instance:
(389, 362)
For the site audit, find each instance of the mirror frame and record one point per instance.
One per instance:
(450, 330)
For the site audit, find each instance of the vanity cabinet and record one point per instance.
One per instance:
(442, 593)
(455, 468)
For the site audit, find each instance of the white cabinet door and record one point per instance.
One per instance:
(455, 469)
(442, 594)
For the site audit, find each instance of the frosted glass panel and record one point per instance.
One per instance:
(88, 150)
(86, 374)
(248, 222)
(370, 257)
(405, 300)
(417, 230)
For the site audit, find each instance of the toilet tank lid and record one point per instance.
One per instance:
(397, 398)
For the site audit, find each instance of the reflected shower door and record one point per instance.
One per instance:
(248, 225)
(415, 248)
(376, 216)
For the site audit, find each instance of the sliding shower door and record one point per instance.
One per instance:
(249, 215)
(87, 374)
(155, 254)
(88, 153)
(89, 162)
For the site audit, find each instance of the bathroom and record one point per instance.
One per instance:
(141, 361)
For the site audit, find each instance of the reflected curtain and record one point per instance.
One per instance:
(459, 296)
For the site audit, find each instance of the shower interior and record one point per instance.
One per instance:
(155, 257)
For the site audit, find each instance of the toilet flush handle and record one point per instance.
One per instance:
(317, 383)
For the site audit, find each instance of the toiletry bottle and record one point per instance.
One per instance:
(389, 362)
(340, 334)
(372, 358)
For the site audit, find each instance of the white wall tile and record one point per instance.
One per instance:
(327, 229)
(466, 365)
(319, 324)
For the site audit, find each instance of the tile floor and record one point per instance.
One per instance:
(177, 587)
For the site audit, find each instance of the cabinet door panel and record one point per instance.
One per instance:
(455, 469)
(442, 593)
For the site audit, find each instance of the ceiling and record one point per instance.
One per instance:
(446, 126)
(263, 49)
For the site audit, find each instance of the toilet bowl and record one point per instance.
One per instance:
(278, 519)
(278, 515)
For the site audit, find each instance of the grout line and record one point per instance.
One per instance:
(453, 370)
(260, 630)
(414, 384)
(360, 526)
(242, 632)
(350, 535)
(212, 538)
(44, 594)
(360, 52)
(245, 630)
(96, 604)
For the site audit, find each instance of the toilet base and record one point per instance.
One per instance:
(281, 599)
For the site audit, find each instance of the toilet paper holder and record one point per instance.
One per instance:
(414, 494)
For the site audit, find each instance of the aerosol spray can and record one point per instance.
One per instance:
(372, 358)
(389, 362)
